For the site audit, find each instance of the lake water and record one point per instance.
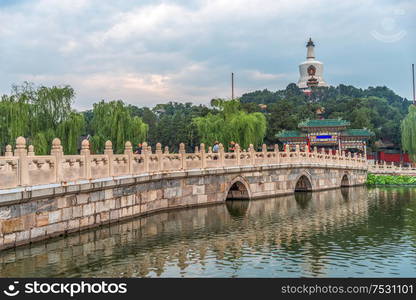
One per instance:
(349, 232)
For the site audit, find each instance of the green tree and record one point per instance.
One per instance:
(408, 128)
(69, 132)
(14, 119)
(230, 123)
(37, 113)
(114, 121)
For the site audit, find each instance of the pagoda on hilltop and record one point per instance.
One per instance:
(311, 70)
(330, 134)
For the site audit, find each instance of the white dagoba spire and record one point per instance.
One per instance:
(311, 70)
(311, 49)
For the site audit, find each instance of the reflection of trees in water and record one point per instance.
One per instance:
(144, 246)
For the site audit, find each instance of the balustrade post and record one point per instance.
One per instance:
(252, 154)
(276, 154)
(159, 156)
(128, 150)
(297, 154)
(85, 151)
(145, 155)
(203, 156)
(337, 157)
(21, 152)
(287, 151)
(9, 151)
(237, 154)
(349, 158)
(57, 151)
(149, 153)
(221, 154)
(108, 150)
(323, 154)
(264, 153)
(31, 151)
(182, 153)
(307, 155)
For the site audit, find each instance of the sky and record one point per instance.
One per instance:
(147, 52)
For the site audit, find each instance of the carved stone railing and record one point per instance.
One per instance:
(391, 169)
(23, 168)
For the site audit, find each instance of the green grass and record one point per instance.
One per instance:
(390, 180)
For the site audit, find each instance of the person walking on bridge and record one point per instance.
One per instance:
(138, 149)
(216, 147)
(231, 148)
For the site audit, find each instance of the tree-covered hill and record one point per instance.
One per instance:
(375, 108)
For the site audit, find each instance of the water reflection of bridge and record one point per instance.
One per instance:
(177, 238)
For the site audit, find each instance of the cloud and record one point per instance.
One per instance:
(147, 52)
(257, 75)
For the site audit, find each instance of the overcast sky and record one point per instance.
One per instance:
(147, 52)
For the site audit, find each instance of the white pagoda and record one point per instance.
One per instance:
(311, 70)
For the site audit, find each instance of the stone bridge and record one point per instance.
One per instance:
(50, 195)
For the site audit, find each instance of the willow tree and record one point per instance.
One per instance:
(49, 106)
(70, 130)
(408, 129)
(39, 114)
(41, 142)
(14, 119)
(230, 123)
(114, 121)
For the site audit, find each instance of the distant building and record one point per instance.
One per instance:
(311, 71)
(331, 134)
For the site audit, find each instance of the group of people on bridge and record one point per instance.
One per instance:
(215, 147)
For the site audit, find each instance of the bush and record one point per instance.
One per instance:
(390, 179)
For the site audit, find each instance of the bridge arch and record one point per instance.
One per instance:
(303, 183)
(345, 180)
(238, 188)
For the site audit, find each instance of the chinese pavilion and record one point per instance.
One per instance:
(331, 134)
